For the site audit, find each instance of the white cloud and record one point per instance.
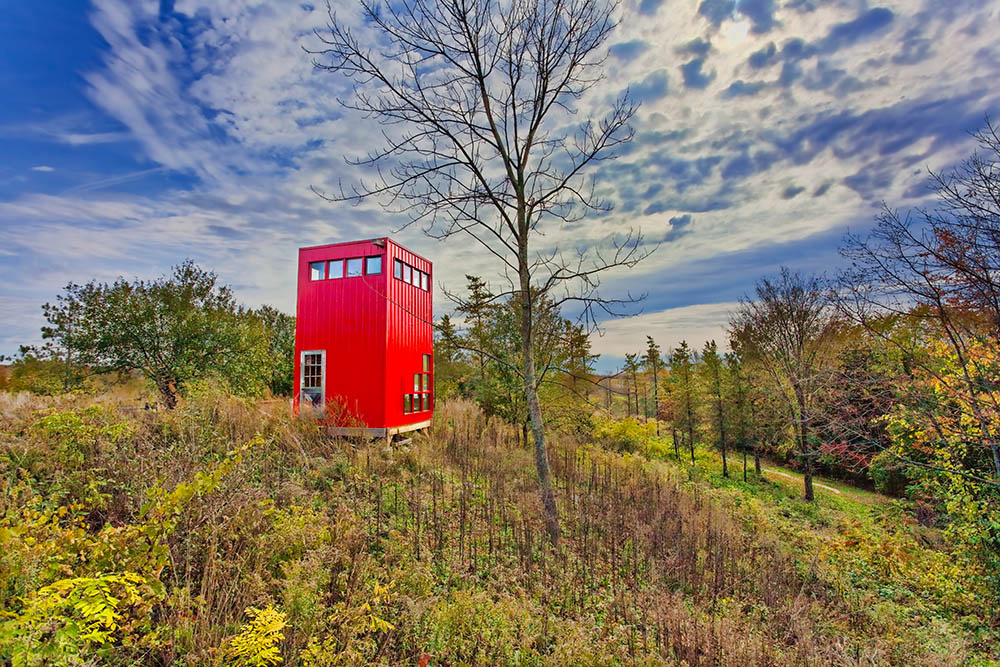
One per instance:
(230, 98)
(43, 167)
(694, 324)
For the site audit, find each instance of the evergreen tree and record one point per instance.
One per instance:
(653, 362)
(682, 377)
(712, 371)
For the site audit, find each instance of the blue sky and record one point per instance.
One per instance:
(136, 134)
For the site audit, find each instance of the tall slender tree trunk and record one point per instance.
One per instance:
(656, 403)
(804, 443)
(551, 513)
(722, 429)
(690, 428)
(677, 450)
(756, 457)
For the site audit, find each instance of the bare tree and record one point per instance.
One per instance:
(940, 268)
(476, 97)
(789, 330)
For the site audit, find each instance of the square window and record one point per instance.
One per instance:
(426, 401)
(317, 270)
(407, 403)
(425, 281)
(336, 269)
(427, 363)
(416, 382)
(425, 382)
(373, 265)
(407, 273)
(397, 269)
(354, 267)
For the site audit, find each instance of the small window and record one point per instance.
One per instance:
(425, 281)
(397, 269)
(336, 269)
(373, 265)
(427, 401)
(416, 382)
(426, 382)
(354, 267)
(316, 270)
(407, 403)
(312, 379)
(427, 363)
(407, 273)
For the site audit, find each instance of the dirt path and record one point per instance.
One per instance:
(799, 479)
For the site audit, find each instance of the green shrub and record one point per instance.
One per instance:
(627, 435)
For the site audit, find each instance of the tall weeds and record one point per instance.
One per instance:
(362, 553)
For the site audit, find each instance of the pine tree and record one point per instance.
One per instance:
(653, 362)
(682, 371)
(713, 371)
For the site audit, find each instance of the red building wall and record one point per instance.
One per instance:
(374, 330)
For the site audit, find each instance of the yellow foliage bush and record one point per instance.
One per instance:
(257, 643)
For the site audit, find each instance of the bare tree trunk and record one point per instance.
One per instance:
(551, 513)
(804, 444)
(690, 429)
(677, 450)
(168, 392)
(722, 434)
(756, 457)
(743, 444)
(656, 403)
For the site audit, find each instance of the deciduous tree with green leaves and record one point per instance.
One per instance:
(177, 328)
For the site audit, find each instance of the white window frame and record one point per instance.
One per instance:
(322, 380)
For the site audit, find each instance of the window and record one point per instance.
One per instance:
(424, 281)
(416, 382)
(426, 382)
(407, 403)
(316, 270)
(407, 273)
(397, 269)
(354, 267)
(373, 265)
(427, 363)
(336, 268)
(312, 381)
(426, 401)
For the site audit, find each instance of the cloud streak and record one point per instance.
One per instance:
(764, 126)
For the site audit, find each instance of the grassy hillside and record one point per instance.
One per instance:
(227, 532)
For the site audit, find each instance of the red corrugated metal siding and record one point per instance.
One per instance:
(410, 335)
(374, 329)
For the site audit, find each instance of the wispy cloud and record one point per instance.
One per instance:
(43, 168)
(764, 126)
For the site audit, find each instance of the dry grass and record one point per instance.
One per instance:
(651, 570)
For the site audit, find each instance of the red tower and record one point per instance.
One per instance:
(364, 337)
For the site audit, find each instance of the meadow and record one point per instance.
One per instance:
(227, 532)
